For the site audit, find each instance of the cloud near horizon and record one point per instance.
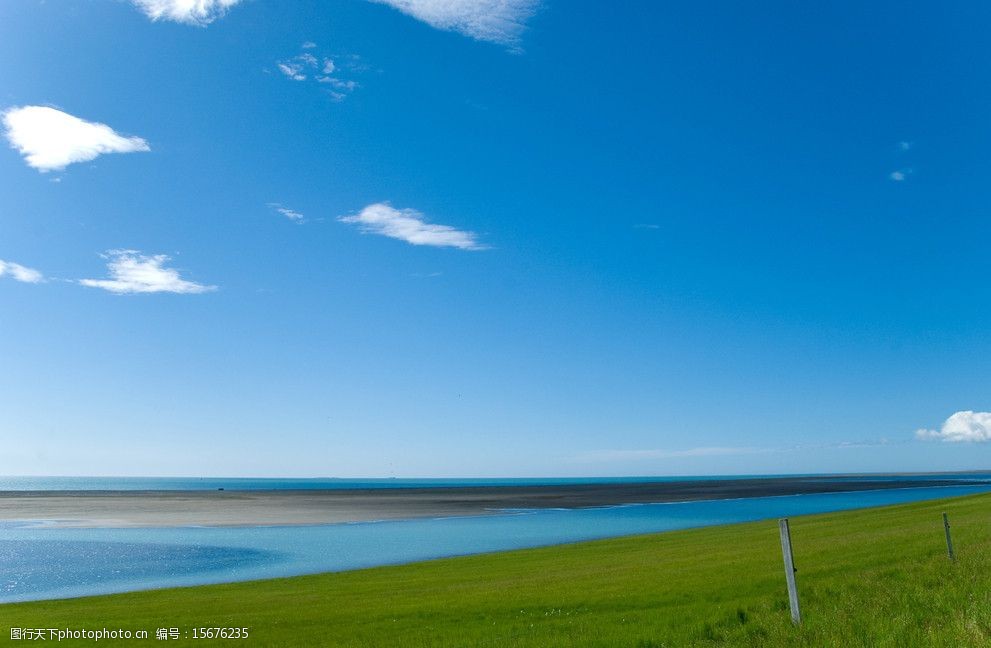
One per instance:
(189, 12)
(409, 225)
(597, 456)
(132, 272)
(17, 272)
(965, 426)
(495, 21)
(50, 140)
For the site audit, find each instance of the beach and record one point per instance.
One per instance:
(220, 508)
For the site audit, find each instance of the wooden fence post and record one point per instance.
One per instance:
(796, 613)
(949, 541)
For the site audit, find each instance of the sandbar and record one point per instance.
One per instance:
(308, 507)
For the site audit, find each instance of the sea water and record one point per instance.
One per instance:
(328, 483)
(42, 562)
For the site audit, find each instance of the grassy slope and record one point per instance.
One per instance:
(878, 577)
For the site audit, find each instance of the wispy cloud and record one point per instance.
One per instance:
(495, 21)
(613, 455)
(605, 456)
(901, 175)
(50, 139)
(189, 12)
(647, 226)
(292, 70)
(326, 70)
(293, 215)
(855, 445)
(17, 272)
(341, 88)
(964, 426)
(133, 272)
(410, 225)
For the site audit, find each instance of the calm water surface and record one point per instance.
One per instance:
(254, 483)
(38, 562)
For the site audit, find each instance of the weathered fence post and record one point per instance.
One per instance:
(949, 541)
(796, 613)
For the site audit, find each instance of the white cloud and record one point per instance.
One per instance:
(300, 66)
(291, 214)
(898, 176)
(409, 225)
(190, 12)
(292, 70)
(340, 84)
(496, 21)
(50, 139)
(904, 146)
(308, 45)
(20, 273)
(133, 272)
(962, 426)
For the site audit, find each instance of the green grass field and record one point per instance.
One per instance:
(876, 577)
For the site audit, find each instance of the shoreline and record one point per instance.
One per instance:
(710, 572)
(230, 508)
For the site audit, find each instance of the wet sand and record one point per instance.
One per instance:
(304, 507)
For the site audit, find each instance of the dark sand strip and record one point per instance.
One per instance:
(281, 507)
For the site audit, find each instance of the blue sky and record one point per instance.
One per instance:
(468, 238)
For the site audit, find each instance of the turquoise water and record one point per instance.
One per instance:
(38, 562)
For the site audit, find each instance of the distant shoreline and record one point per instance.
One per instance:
(152, 508)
